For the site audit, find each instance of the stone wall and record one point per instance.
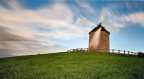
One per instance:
(103, 44)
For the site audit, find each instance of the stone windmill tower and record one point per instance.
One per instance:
(99, 39)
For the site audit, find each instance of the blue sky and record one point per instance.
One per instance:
(58, 25)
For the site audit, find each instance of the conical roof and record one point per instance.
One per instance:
(102, 29)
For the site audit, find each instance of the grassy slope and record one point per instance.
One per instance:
(72, 66)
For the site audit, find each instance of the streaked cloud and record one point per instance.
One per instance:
(137, 17)
(23, 23)
(85, 22)
(85, 5)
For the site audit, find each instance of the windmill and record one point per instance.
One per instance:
(98, 37)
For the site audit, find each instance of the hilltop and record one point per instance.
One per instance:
(72, 65)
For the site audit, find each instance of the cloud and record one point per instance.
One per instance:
(137, 17)
(85, 5)
(120, 16)
(16, 48)
(122, 21)
(112, 21)
(22, 25)
(13, 4)
(6, 35)
(84, 22)
(55, 17)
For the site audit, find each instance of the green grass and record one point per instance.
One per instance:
(72, 66)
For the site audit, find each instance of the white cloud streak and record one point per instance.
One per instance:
(137, 17)
(114, 22)
(85, 6)
(122, 21)
(85, 22)
(57, 17)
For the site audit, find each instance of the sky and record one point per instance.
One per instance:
(49, 26)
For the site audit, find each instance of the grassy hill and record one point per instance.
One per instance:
(74, 65)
